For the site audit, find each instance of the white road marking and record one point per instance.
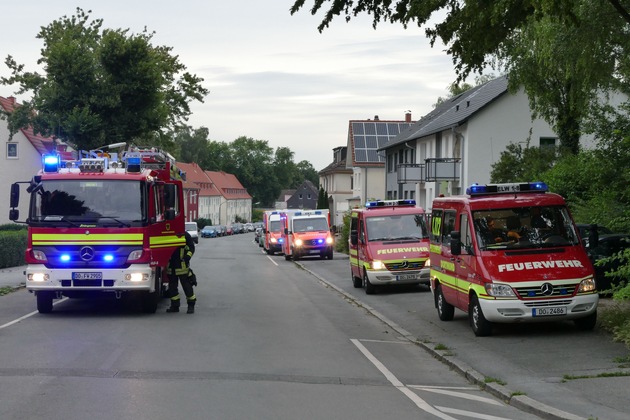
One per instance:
(456, 394)
(271, 259)
(471, 414)
(15, 321)
(419, 402)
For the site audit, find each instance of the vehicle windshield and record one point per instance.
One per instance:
(397, 227)
(310, 224)
(524, 227)
(191, 226)
(105, 202)
(275, 226)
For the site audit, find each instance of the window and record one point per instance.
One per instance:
(465, 234)
(12, 150)
(448, 225)
(547, 142)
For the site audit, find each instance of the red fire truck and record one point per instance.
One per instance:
(388, 244)
(507, 253)
(272, 231)
(102, 223)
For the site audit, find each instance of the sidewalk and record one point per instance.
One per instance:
(13, 277)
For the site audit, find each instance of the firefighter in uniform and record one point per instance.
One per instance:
(179, 271)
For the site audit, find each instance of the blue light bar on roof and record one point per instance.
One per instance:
(389, 203)
(51, 163)
(510, 188)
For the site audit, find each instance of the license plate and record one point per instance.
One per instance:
(550, 311)
(87, 276)
(407, 277)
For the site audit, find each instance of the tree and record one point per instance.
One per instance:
(564, 68)
(306, 171)
(472, 31)
(254, 168)
(522, 164)
(101, 85)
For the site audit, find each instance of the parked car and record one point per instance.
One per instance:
(193, 230)
(608, 245)
(585, 230)
(258, 236)
(249, 227)
(229, 230)
(221, 230)
(209, 232)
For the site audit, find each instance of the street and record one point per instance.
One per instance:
(268, 341)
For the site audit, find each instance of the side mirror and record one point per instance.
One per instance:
(354, 237)
(14, 214)
(456, 243)
(169, 195)
(15, 196)
(593, 236)
(169, 214)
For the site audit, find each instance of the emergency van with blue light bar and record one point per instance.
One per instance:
(388, 245)
(307, 233)
(102, 222)
(510, 253)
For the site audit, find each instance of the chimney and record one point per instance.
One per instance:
(376, 118)
(408, 116)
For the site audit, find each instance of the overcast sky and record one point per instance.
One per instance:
(271, 76)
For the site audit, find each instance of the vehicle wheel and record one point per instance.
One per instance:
(150, 300)
(44, 302)
(370, 289)
(445, 310)
(356, 281)
(287, 257)
(479, 324)
(587, 323)
(330, 255)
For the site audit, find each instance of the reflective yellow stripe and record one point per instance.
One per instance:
(83, 239)
(166, 241)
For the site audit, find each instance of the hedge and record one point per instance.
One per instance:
(13, 240)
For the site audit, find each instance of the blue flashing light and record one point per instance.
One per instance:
(51, 163)
(108, 257)
(320, 241)
(133, 163)
(298, 213)
(281, 240)
(65, 258)
(389, 203)
(476, 189)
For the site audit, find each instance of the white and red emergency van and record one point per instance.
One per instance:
(388, 244)
(272, 231)
(507, 253)
(306, 233)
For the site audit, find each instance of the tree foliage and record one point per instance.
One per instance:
(101, 85)
(522, 164)
(472, 30)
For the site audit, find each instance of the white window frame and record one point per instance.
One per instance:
(17, 154)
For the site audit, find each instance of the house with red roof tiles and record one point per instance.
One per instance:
(200, 194)
(236, 199)
(21, 156)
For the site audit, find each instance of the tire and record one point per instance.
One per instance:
(445, 310)
(44, 302)
(330, 255)
(150, 299)
(587, 323)
(356, 281)
(287, 257)
(478, 322)
(370, 289)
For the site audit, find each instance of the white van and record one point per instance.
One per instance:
(193, 231)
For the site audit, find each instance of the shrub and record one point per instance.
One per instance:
(13, 244)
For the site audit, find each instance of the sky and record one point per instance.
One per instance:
(271, 75)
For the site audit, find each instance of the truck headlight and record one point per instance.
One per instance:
(298, 242)
(378, 265)
(135, 255)
(499, 290)
(38, 277)
(587, 285)
(329, 240)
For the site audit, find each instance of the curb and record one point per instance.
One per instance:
(512, 398)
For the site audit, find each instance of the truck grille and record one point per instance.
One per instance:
(405, 265)
(557, 291)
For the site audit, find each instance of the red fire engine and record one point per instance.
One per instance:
(507, 253)
(388, 244)
(101, 223)
(307, 232)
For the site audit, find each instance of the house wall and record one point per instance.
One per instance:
(22, 168)
(369, 183)
(337, 186)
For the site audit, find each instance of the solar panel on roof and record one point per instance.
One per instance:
(370, 128)
(382, 140)
(381, 129)
(393, 129)
(357, 128)
(361, 155)
(359, 142)
(370, 142)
